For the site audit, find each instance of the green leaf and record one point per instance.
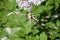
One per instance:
(11, 5)
(37, 37)
(50, 2)
(50, 25)
(35, 31)
(48, 8)
(38, 10)
(43, 36)
(27, 28)
(3, 13)
(30, 38)
(56, 5)
(2, 33)
(13, 38)
(23, 11)
(58, 1)
(58, 23)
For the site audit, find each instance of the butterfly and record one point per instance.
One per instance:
(31, 16)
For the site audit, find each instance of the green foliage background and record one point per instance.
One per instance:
(49, 32)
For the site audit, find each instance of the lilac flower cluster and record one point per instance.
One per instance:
(27, 4)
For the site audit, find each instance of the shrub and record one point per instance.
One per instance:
(14, 23)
